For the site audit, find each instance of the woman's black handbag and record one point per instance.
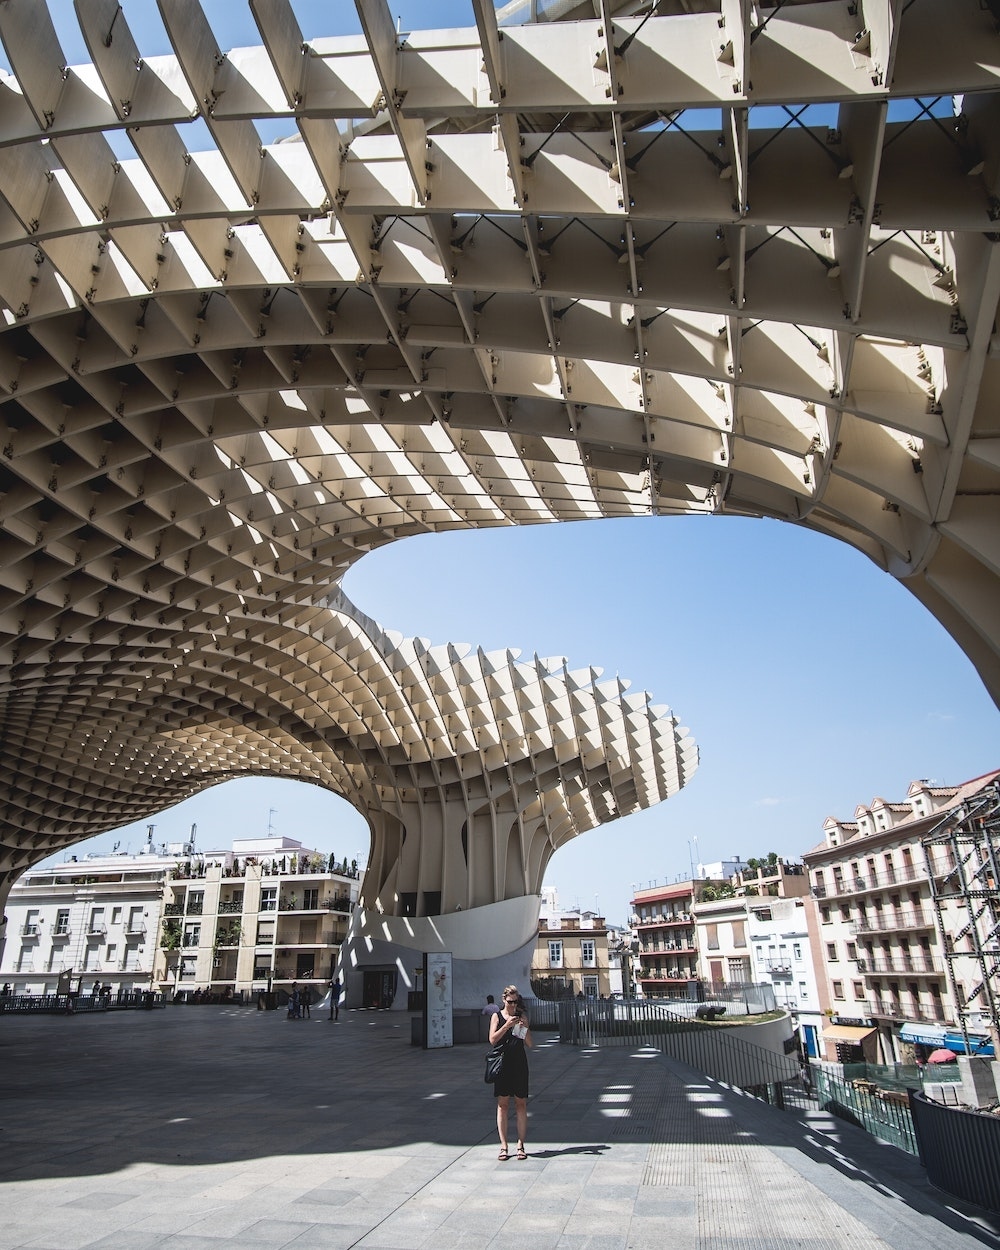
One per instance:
(494, 1062)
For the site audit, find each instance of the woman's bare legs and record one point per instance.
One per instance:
(521, 1110)
(503, 1103)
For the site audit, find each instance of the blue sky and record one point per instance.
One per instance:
(811, 681)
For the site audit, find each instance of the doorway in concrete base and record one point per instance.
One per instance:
(379, 988)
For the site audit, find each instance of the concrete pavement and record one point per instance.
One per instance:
(207, 1128)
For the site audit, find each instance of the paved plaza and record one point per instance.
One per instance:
(201, 1128)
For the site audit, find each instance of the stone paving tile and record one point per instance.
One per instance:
(183, 1242)
(128, 1239)
(326, 1237)
(586, 1224)
(593, 1241)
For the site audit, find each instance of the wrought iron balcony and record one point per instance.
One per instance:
(859, 883)
(892, 1008)
(901, 964)
(891, 921)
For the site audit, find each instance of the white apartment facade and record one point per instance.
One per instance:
(897, 970)
(258, 916)
(90, 920)
(781, 955)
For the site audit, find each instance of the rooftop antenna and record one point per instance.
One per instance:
(271, 811)
(149, 839)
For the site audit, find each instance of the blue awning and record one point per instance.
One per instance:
(978, 1045)
(925, 1034)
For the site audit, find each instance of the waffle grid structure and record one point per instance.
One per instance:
(727, 258)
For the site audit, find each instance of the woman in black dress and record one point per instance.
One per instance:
(511, 1023)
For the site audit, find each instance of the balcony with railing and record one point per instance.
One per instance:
(685, 948)
(30, 930)
(191, 939)
(173, 909)
(97, 930)
(861, 883)
(663, 918)
(137, 929)
(231, 908)
(778, 967)
(901, 964)
(61, 932)
(891, 921)
(670, 974)
(892, 1009)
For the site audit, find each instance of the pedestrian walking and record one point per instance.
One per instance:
(335, 991)
(305, 999)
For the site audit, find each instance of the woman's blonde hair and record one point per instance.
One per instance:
(511, 989)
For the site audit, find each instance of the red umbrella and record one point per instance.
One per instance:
(942, 1055)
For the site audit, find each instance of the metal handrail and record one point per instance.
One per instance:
(713, 1050)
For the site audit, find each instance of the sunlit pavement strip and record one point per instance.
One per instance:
(199, 1129)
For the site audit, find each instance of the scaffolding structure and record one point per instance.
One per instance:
(962, 855)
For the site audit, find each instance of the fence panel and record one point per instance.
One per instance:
(78, 1004)
(960, 1150)
(711, 1049)
(878, 1112)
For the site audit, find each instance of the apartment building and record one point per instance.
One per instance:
(892, 935)
(781, 956)
(572, 955)
(720, 937)
(84, 921)
(258, 916)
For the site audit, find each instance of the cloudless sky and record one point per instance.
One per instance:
(811, 681)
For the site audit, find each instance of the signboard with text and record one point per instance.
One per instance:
(437, 1000)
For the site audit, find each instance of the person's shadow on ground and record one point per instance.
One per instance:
(569, 1150)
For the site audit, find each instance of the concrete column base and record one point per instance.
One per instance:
(979, 1085)
(491, 947)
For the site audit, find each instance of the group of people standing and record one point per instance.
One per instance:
(509, 1027)
(300, 1002)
